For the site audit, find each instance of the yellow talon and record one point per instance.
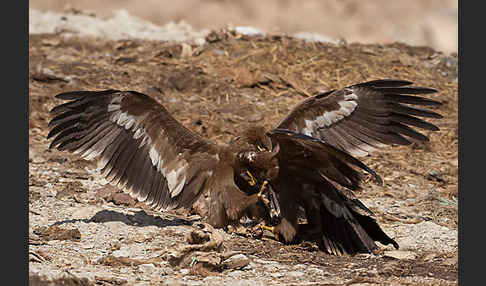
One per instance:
(261, 195)
(264, 186)
(260, 148)
(271, 229)
(252, 180)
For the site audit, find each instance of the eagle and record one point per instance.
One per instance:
(298, 179)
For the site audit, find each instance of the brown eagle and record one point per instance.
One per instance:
(304, 168)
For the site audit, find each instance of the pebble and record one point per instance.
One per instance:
(211, 280)
(315, 271)
(147, 268)
(184, 271)
(261, 261)
(276, 274)
(88, 246)
(243, 282)
(400, 254)
(236, 273)
(121, 253)
(295, 274)
(237, 261)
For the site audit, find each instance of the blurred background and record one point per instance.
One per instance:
(430, 23)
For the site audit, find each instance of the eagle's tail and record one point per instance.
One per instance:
(338, 221)
(349, 228)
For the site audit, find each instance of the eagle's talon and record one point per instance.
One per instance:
(271, 229)
(261, 194)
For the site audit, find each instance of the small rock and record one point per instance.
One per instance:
(192, 283)
(88, 246)
(184, 271)
(276, 274)
(250, 266)
(430, 257)
(211, 280)
(172, 282)
(57, 233)
(121, 253)
(451, 260)
(38, 160)
(203, 239)
(261, 261)
(315, 271)
(186, 50)
(400, 254)
(237, 261)
(199, 236)
(295, 274)
(373, 272)
(123, 199)
(236, 273)
(167, 271)
(243, 282)
(300, 267)
(270, 267)
(147, 268)
(46, 75)
(227, 254)
(105, 193)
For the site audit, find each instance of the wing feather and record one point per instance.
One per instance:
(139, 146)
(376, 113)
(308, 155)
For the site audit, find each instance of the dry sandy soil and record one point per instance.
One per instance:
(430, 23)
(84, 233)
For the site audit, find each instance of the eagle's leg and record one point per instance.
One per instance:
(255, 198)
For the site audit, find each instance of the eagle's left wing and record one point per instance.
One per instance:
(140, 147)
(365, 116)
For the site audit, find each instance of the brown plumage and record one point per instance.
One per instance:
(307, 165)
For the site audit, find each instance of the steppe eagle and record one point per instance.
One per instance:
(305, 167)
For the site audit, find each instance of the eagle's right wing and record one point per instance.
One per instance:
(365, 116)
(140, 146)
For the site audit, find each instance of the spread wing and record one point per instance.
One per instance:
(365, 116)
(139, 146)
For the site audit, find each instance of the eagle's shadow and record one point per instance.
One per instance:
(140, 218)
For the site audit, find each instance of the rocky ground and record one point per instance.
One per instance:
(84, 233)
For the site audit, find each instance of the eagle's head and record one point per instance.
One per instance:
(257, 154)
(262, 165)
(253, 169)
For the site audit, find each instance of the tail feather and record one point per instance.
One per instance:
(345, 228)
